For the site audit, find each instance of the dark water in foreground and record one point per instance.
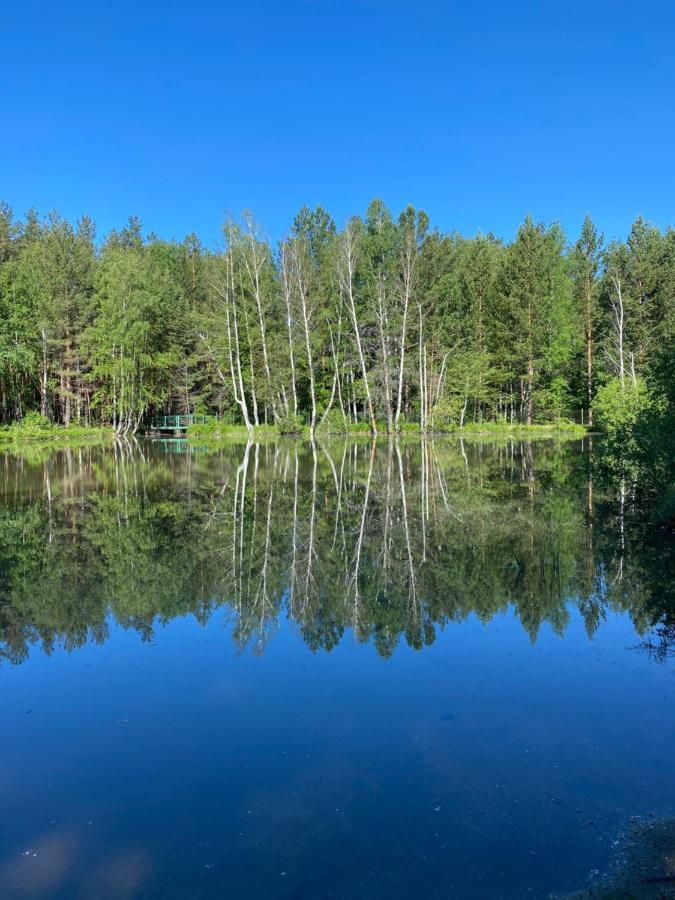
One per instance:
(437, 671)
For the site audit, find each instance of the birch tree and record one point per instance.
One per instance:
(346, 267)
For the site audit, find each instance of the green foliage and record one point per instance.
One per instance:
(558, 428)
(618, 407)
(449, 330)
(35, 422)
(289, 425)
(35, 428)
(333, 423)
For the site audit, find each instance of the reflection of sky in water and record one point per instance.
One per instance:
(484, 765)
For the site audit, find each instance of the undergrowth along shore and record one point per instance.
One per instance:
(35, 429)
(219, 432)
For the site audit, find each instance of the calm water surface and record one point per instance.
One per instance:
(273, 671)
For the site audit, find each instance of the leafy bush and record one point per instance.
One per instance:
(409, 427)
(36, 422)
(446, 413)
(290, 424)
(36, 428)
(334, 423)
(618, 407)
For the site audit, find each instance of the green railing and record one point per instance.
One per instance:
(175, 423)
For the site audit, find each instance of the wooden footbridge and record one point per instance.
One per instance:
(174, 424)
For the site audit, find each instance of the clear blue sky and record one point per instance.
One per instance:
(477, 112)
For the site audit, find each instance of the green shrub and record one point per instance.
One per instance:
(35, 421)
(446, 413)
(289, 424)
(334, 423)
(618, 407)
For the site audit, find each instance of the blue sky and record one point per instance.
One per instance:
(477, 112)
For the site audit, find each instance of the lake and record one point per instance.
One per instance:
(415, 670)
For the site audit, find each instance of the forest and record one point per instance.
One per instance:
(385, 324)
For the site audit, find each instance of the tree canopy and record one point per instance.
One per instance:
(386, 321)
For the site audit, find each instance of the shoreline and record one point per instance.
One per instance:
(57, 436)
(212, 435)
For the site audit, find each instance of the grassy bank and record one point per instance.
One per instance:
(214, 433)
(559, 429)
(36, 430)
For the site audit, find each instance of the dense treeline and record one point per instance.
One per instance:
(385, 322)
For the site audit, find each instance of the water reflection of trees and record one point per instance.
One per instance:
(390, 541)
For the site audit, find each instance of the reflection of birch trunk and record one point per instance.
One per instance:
(404, 507)
(423, 487)
(261, 594)
(622, 527)
(291, 592)
(310, 547)
(387, 514)
(359, 543)
(242, 473)
(48, 489)
(464, 456)
(441, 482)
(338, 510)
(254, 516)
(338, 487)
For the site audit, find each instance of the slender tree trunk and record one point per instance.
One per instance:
(231, 299)
(254, 268)
(233, 348)
(408, 265)
(337, 370)
(589, 351)
(254, 397)
(348, 260)
(287, 288)
(423, 423)
(44, 407)
(382, 326)
(530, 365)
(301, 271)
